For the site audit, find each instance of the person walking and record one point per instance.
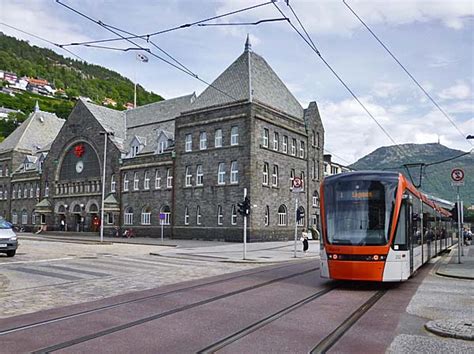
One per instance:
(304, 238)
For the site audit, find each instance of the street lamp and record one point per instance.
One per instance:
(106, 135)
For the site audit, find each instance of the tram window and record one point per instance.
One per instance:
(400, 242)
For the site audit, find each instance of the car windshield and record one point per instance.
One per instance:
(5, 225)
(358, 211)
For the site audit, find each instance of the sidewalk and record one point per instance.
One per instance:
(451, 268)
(257, 252)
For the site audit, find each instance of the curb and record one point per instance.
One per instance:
(447, 275)
(85, 241)
(459, 329)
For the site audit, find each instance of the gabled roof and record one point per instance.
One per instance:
(250, 78)
(38, 130)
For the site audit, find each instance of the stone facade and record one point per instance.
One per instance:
(181, 166)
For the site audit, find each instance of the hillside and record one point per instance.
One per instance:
(74, 77)
(436, 178)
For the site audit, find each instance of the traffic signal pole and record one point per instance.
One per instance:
(245, 228)
(459, 227)
(296, 222)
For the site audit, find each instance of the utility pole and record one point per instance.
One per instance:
(106, 135)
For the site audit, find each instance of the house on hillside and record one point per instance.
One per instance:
(109, 102)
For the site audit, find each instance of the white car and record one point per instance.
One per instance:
(8, 239)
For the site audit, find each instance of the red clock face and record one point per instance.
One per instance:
(79, 150)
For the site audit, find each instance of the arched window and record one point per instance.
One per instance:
(267, 216)
(315, 199)
(301, 212)
(282, 216)
(128, 216)
(14, 217)
(219, 215)
(233, 218)
(24, 217)
(62, 209)
(186, 216)
(146, 181)
(167, 215)
(198, 215)
(146, 216)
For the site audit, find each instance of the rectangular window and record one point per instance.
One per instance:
(198, 216)
(218, 138)
(275, 176)
(203, 141)
(276, 140)
(265, 137)
(125, 183)
(302, 149)
(189, 177)
(265, 174)
(1, 172)
(199, 175)
(233, 218)
(313, 138)
(112, 184)
(157, 180)
(293, 147)
(221, 173)
(234, 136)
(189, 143)
(146, 181)
(110, 219)
(128, 219)
(24, 218)
(234, 172)
(285, 144)
(169, 178)
(136, 180)
(146, 218)
(163, 146)
(281, 218)
(186, 216)
(219, 215)
(37, 191)
(46, 190)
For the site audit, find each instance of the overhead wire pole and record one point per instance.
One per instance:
(100, 23)
(407, 72)
(313, 47)
(186, 25)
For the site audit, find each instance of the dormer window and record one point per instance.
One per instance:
(135, 150)
(163, 146)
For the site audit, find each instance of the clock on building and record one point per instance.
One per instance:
(79, 166)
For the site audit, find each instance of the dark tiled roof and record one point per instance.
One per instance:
(37, 131)
(250, 76)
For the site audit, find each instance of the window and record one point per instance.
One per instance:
(233, 218)
(275, 176)
(32, 190)
(6, 171)
(292, 177)
(282, 219)
(218, 138)
(265, 174)
(302, 148)
(203, 141)
(14, 217)
(301, 221)
(316, 170)
(167, 213)
(188, 143)
(199, 175)
(136, 180)
(234, 172)
(313, 169)
(125, 182)
(1, 172)
(146, 216)
(293, 147)
(317, 140)
(110, 218)
(285, 144)
(313, 138)
(135, 150)
(276, 140)
(221, 173)
(112, 184)
(169, 178)
(234, 136)
(186, 216)
(189, 177)
(146, 181)
(37, 193)
(5, 194)
(303, 182)
(24, 217)
(267, 216)
(13, 193)
(46, 190)
(163, 146)
(157, 180)
(25, 191)
(1, 192)
(219, 215)
(33, 218)
(316, 199)
(198, 215)
(128, 216)
(265, 138)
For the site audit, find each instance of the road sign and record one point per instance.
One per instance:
(297, 185)
(457, 175)
(162, 216)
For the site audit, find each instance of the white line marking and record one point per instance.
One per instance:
(39, 261)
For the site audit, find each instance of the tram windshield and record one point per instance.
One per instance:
(358, 212)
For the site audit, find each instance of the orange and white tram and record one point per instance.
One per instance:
(377, 226)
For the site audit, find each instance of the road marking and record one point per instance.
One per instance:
(75, 270)
(39, 261)
(46, 274)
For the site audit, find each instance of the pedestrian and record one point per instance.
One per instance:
(304, 238)
(62, 225)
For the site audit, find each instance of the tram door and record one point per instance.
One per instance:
(411, 234)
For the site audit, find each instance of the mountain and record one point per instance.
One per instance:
(436, 178)
(74, 77)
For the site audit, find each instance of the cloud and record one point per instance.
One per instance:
(459, 91)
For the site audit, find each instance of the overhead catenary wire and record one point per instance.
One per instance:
(186, 25)
(138, 46)
(417, 83)
(42, 39)
(313, 47)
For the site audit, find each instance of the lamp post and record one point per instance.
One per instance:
(106, 135)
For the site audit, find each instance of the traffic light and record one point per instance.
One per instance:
(244, 207)
(299, 214)
(454, 212)
(241, 208)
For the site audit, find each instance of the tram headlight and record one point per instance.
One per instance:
(334, 256)
(376, 257)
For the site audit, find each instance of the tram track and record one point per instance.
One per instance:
(148, 297)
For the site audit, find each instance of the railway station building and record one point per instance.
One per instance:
(181, 163)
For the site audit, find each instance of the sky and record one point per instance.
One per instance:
(433, 39)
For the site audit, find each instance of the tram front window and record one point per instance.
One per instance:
(358, 212)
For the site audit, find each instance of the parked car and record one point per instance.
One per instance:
(8, 239)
